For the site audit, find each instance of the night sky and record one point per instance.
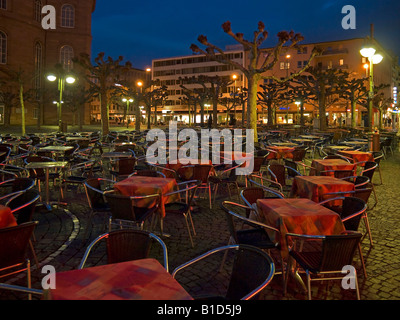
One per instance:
(144, 30)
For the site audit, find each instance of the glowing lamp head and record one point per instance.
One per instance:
(377, 58)
(367, 52)
(70, 79)
(51, 77)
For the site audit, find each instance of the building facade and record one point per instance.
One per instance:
(26, 45)
(343, 55)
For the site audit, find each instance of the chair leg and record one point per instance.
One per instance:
(215, 192)
(380, 174)
(209, 195)
(34, 254)
(188, 228)
(308, 285)
(366, 222)
(28, 270)
(362, 260)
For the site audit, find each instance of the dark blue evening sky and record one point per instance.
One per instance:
(144, 30)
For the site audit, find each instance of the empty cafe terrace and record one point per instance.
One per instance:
(92, 215)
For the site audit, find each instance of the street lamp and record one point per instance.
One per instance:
(128, 102)
(373, 58)
(62, 79)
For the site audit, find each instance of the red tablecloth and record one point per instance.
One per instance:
(142, 186)
(300, 216)
(281, 152)
(313, 187)
(331, 164)
(144, 279)
(7, 219)
(357, 156)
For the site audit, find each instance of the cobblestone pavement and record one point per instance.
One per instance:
(63, 235)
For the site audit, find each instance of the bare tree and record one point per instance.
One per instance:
(102, 77)
(270, 95)
(259, 63)
(322, 88)
(20, 79)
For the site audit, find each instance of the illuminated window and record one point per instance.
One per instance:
(66, 55)
(3, 48)
(341, 62)
(68, 16)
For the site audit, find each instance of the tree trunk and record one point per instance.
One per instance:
(252, 105)
(270, 115)
(138, 117)
(322, 111)
(21, 100)
(353, 113)
(104, 114)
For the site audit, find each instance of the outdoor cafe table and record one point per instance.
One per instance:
(281, 151)
(47, 165)
(115, 154)
(330, 164)
(357, 156)
(300, 216)
(314, 187)
(56, 149)
(144, 279)
(144, 186)
(7, 219)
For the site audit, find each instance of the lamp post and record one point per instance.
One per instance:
(128, 102)
(62, 79)
(373, 58)
(234, 77)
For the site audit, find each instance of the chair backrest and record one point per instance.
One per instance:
(129, 208)
(250, 195)
(126, 245)
(201, 172)
(338, 251)
(252, 270)
(95, 193)
(299, 154)
(363, 194)
(259, 161)
(14, 243)
(369, 169)
(126, 166)
(352, 211)
(278, 173)
(24, 205)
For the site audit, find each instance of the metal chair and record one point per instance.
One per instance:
(323, 255)
(186, 193)
(250, 231)
(95, 189)
(246, 273)
(13, 251)
(250, 195)
(351, 211)
(128, 211)
(126, 245)
(368, 170)
(226, 177)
